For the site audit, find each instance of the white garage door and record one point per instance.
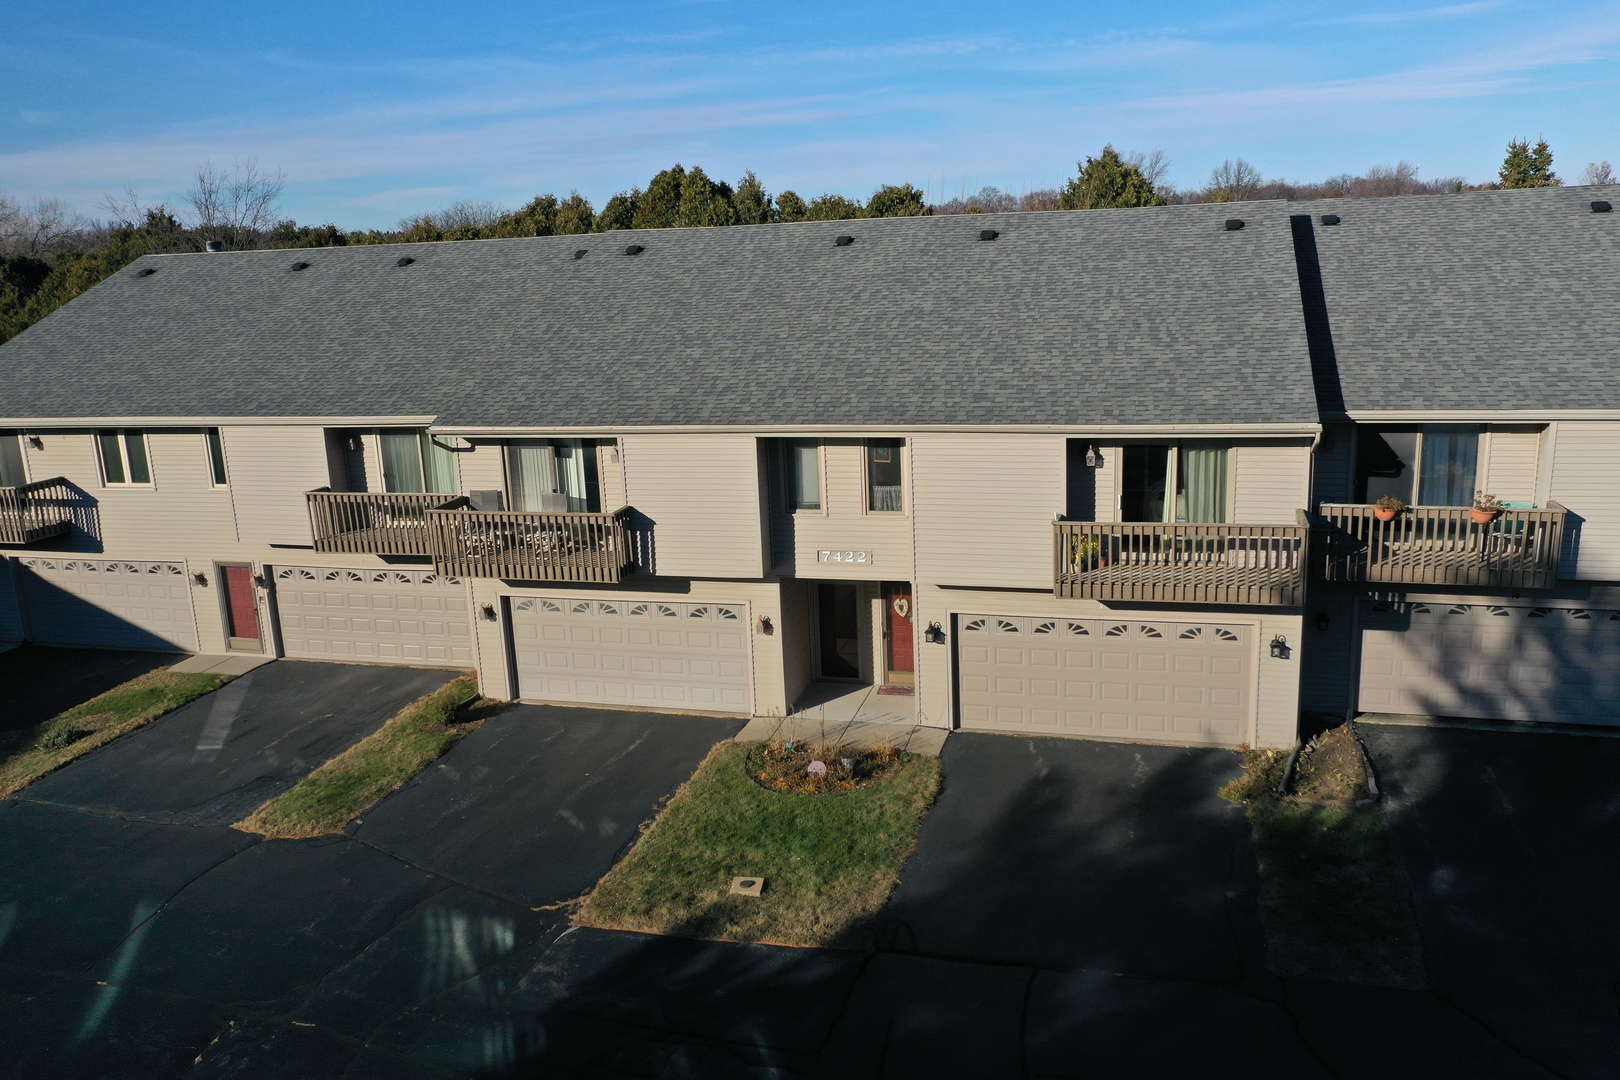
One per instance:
(1143, 681)
(652, 654)
(1492, 661)
(373, 616)
(109, 603)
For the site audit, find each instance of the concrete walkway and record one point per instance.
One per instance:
(223, 664)
(852, 716)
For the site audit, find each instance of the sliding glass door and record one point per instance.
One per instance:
(414, 461)
(1436, 465)
(1181, 482)
(553, 475)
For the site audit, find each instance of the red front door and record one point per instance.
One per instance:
(901, 652)
(241, 611)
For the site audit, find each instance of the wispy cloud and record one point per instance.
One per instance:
(1449, 11)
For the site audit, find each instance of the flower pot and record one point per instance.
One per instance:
(1385, 515)
(1484, 517)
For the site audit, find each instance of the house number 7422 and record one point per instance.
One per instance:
(859, 557)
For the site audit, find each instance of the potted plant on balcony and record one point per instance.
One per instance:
(1487, 508)
(1388, 508)
(1086, 553)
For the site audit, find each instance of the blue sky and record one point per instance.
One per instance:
(376, 111)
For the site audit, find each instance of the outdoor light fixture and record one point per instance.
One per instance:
(1092, 457)
(765, 626)
(354, 442)
(258, 579)
(1279, 648)
(1322, 619)
(488, 612)
(200, 578)
(36, 442)
(935, 634)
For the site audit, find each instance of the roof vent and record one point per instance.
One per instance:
(1330, 219)
(988, 234)
(580, 254)
(145, 271)
(633, 249)
(1233, 224)
(844, 241)
(404, 260)
(216, 245)
(1601, 207)
(299, 266)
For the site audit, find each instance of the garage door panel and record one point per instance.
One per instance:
(375, 616)
(112, 603)
(1555, 662)
(691, 656)
(1155, 681)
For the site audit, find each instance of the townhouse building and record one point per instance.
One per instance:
(1100, 473)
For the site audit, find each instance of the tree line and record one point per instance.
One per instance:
(49, 255)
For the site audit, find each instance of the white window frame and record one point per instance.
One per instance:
(208, 456)
(783, 464)
(903, 448)
(123, 458)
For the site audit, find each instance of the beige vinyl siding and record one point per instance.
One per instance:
(844, 523)
(1510, 463)
(1107, 473)
(1325, 656)
(1270, 483)
(11, 624)
(1335, 479)
(794, 636)
(271, 469)
(483, 467)
(610, 473)
(985, 506)
(1583, 479)
(182, 509)
(699, 495)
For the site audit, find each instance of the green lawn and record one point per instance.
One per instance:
(829, 861)
(356, 780)
(27, 755)
(1334, 903)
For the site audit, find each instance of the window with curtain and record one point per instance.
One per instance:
(884, 489)
(801, 459)
(123, 457)
(553, 475)
(413, 462)
(12, 472)
(1436, 465)
(1182, 482)
(216, 457)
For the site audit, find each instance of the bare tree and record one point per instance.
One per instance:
(1233, 180)
(46, 227)
(1598, 172)
(1153, 165)
(237, 207)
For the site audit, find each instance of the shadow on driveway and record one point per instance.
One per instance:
(38, 682)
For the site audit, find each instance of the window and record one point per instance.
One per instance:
(1181, 482)
(801, 465)
(413, 461)
(216, 457)
(553, 475)
(12, 472)
(123, 457)
(883, 483)
(1429, 466)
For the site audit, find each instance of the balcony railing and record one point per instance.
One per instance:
(522, 546)
(375, 523)
(1180, 564)
(35, 512)
(1443, 545)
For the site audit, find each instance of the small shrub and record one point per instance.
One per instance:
(66, 736)
(818, 767)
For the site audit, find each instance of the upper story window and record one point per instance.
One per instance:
(216, 457)
(884, 486)
(1434, 465)
(1177, 482)
(801, 467)
(414, 461)
(553, 475)
(12, 472)
(123, 457)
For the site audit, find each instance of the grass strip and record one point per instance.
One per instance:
(372, 769)
(30, 753)
(829, 861)
(1334, 903)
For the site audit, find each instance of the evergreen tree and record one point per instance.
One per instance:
(832, 208)
(660, 206)
(1106, 181)
(575, 215)
(1527, 166)
(753, 202)
(705, 202)
(538, 218)
(619, 211)
(896, 200)
(790, 207)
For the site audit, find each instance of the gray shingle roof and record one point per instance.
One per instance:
(1477, 301)
(1100, 317)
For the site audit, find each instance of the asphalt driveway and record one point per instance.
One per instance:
(38, 682)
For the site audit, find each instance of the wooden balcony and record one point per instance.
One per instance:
(1443, 545)
(519, 546)
(36, 512)
(375, 523)
(1180, 564)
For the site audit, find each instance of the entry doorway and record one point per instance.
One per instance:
(838, 631)
(899, 638)
(241, 609)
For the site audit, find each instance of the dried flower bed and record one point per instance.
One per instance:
(816, 767)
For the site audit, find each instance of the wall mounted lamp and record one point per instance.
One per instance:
(1093, 459)
(935, 634)
(1322, 621)
(354, 442)
(765, 626)
(36, 442)
(1279, 648)
(488, 611)
(200, 578)
(258, 579)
